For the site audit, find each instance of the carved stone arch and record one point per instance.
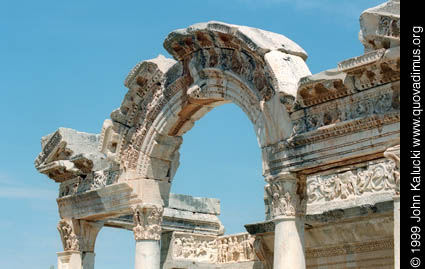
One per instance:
(216, 63)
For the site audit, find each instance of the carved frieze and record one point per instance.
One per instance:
(376, 177)
(384, 101)
(195, 247)
(147, 222)
(210, 249)
(236, 248)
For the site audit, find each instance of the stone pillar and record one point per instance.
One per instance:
(69, 259)
(286, 196)
(147, 233)
(78, 239)
(393, 154)
(397, 232)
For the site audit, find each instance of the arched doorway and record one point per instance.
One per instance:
(216, 64)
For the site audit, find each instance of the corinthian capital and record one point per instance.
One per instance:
(70, 240)
(147, 222)
(78, 234)
(286, 195)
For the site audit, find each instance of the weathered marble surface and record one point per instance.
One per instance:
(380, 26)
(330, 152)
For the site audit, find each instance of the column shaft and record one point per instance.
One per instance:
(397, 232)
(289, 243)
(88, 260)
(148, 254)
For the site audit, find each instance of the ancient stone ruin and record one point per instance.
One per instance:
(329, 142)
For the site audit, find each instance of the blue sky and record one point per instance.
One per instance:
(63, 63)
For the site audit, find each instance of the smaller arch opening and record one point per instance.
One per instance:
(114, 248)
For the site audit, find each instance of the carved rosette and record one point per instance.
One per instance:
(70, 240)
(286, 198)
(147, 222)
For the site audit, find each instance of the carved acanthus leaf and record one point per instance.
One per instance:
(284, 199)
(147, 222)
(70, 240)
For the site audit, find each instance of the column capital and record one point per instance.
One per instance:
(70, 240)
(79, 235)
(286, 196)
(147, 221)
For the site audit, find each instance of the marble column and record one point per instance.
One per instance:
(78, 239)
(286, 194)
(147, 233)
(397, 232)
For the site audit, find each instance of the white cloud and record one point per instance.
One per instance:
(15, 189)
(26, 193)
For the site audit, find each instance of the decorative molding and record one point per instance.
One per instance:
(359, 61)
(323, 87)
(389, 26)
(93, 181)
(376, 177)
(350, 249)
(147, 222)
(383, 101)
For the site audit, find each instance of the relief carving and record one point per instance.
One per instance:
(389, 26)
(393, 155)
(94, 180)
(147, 222)
(236, 248)
(377, 104)
(376, 177)
(224, 249)
(195, 248)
